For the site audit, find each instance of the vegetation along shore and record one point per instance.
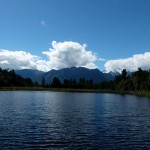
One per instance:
(136, 83)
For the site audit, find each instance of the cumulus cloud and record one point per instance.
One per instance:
(68, 54)
(17, 59)
(61, 55)
(130, 64)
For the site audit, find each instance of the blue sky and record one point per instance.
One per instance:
(112, 30)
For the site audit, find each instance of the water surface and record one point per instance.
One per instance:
(59, 120)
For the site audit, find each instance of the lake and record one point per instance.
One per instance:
(60, 120)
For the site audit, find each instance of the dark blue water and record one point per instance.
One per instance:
(54, 120)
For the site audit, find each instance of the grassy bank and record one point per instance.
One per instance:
(140, 93)
(53, 89)
(137, 93)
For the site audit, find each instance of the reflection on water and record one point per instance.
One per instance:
(59, 120)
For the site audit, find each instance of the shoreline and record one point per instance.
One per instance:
(136, 93)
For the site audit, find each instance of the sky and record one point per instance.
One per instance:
(110, 35)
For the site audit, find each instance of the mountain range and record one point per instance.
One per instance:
(67, 73)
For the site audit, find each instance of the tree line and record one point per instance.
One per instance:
(9, 78)
(72, 83)
(136, 81)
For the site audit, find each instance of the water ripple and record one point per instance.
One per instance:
(53, 120)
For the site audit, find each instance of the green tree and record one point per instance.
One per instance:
(43, 82)
(56, 83)
(124, 74)
(10, 78)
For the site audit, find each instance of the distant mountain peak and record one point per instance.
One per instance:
(66, 73)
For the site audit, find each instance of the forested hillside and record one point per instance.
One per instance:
(9, 78)
(137, 81)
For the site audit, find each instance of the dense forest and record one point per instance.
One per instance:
(136, 81)
(9, 78)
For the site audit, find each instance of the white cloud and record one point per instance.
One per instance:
(68, 54)
(4, 62)
(130, 64)
(61, 55)
(17, 59)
